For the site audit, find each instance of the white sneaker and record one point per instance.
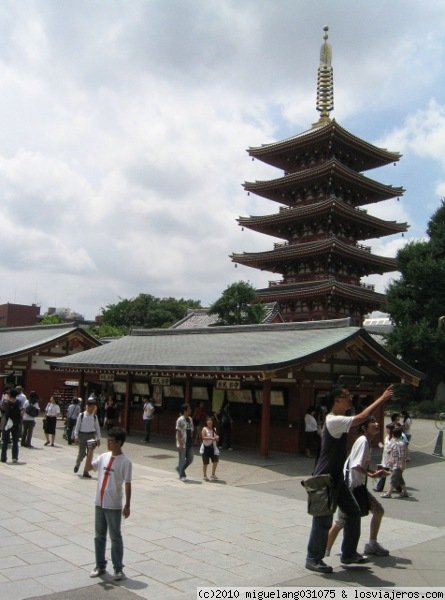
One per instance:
(183, 478)
(376, 549)
(118, 575)
(97, 572)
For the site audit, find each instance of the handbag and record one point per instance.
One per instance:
(361, 495)
(321, 495)
(9, 424)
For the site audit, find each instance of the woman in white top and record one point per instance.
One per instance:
(52, 411)
(209, 448)
(311, 433)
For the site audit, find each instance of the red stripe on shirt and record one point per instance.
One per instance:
(105, 479)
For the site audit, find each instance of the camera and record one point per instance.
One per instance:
(91, 444)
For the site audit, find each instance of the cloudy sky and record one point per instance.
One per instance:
(124, 125)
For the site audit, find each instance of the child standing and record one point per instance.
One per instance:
(397, 464)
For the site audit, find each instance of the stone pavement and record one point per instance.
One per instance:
(248, 529)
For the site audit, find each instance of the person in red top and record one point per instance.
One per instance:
(114, 471)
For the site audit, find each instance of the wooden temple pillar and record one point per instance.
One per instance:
(81, 386)
(265, 418)
(128, 392)
(188, 390)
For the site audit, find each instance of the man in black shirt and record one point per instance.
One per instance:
(331, 460)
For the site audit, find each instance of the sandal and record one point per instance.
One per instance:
(214, 478)
(205, 479)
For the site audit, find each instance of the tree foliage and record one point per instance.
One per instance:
(146, 311)
(235, 306)
(106, 331)
(416, 302)
(51, 320)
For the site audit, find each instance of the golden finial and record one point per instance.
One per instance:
(325, 82)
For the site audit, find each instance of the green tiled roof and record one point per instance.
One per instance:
(242, 348)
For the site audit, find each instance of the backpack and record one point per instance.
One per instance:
(82, 414)
(32, 410)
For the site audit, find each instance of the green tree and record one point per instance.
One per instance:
(416, 302)
(106, 331)
(146, 311)
(51, 320)
(235, 306)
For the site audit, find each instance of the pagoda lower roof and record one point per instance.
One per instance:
(320, 288)
(323, 175)
(271, 224)
(332, 135)
(291, 253)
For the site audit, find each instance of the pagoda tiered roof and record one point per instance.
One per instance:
(293, 253)
(321, 190)
(328, 176)
(320, 289)
(329, 139)
(279, 224)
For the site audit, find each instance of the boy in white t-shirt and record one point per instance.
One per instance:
(114, 471)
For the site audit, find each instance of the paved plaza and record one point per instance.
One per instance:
(250, 528)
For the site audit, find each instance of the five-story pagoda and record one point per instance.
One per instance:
(321, 259)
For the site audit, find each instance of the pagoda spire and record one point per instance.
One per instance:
(325, 82)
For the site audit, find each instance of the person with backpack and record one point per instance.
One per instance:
(13, 418)
(73, 411)
(87, 428)
(31, 409)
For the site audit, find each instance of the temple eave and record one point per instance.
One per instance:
(331, 208)
(329, 174)
(276, 153)
(279, 293)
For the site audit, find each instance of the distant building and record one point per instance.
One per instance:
(378, 325)
(19, 315)
(66, 314)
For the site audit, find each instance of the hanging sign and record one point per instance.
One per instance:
(106, 377)
(160, 380)
(228, 384)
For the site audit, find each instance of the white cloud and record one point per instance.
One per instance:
(124, 133)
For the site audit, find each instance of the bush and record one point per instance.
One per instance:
(427, 407)
(440, 406)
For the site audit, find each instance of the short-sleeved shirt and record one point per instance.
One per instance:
(310, 423)
(359, 457)
(398, 455)
(110, 479)
(184, 425)
(148, 411)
